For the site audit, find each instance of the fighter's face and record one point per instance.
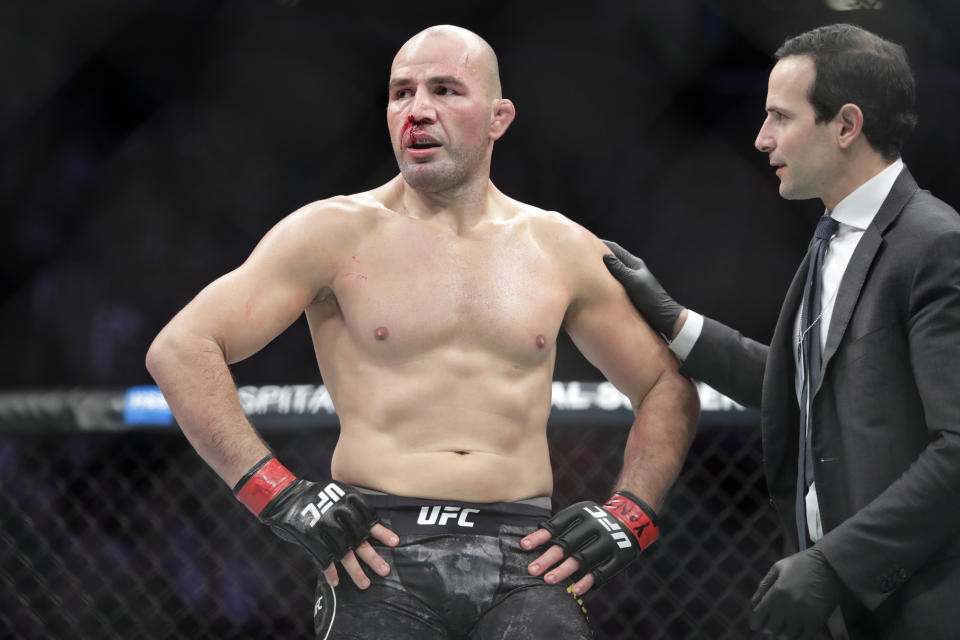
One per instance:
(439, 113)
(803, 152)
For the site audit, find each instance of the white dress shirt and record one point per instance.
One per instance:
(854, 214)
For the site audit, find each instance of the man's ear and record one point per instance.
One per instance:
(850, 119)
(503, 115)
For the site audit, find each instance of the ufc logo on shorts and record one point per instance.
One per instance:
(330, 494)
(610, 524)
(434, 515)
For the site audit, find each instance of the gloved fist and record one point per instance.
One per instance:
(602, 539)
(646, 294)
(328, 520)
(796, 596)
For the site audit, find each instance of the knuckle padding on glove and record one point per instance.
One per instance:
(582, 537)
(562, 524)
(602, 561)
(592, 554)
(328, 520)
(343, 526)
(352, 521)
(604, 539)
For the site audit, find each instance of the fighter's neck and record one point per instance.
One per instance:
(460, 209)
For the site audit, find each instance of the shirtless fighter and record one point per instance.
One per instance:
(434, 304)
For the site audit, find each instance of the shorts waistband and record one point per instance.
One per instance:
(544, 502)
(422, 516)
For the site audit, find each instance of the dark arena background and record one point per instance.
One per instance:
(147, 146)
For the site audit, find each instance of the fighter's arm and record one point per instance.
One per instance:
(610, 333)
(606, 328)
(232, 318)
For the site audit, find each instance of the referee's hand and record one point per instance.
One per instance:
(796, 596)
(645, 292)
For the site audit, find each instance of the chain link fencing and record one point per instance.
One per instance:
(128, 534)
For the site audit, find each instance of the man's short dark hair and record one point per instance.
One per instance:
(859, 67)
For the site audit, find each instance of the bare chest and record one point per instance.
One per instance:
(407, 292)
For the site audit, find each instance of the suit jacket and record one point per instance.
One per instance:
(886, 417)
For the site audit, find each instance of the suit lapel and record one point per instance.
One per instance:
(778, 406)
(856, 273)
(780, 361)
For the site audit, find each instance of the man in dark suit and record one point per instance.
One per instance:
(861, 449)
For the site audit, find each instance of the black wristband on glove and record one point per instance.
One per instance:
(327, 520)
(604, 539)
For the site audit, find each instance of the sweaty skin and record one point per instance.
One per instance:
(434, 303)
(440, 360)
(454, 404)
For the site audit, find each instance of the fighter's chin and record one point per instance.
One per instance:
(426, 178)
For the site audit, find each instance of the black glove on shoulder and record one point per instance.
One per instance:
(326, 519)
(604, 539)
(646, 294)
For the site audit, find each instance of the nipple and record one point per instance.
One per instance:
(381, 333)
(541, 341)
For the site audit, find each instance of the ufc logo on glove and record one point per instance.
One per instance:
(328, 527)
(330, 494)
(616, 532)
(579, 530)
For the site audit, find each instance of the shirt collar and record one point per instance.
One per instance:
(860, 207)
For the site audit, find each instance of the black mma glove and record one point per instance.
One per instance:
(646, 294)
(604, 539)
(325, 519)
(796, 596)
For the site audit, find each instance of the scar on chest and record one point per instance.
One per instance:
(381, 333)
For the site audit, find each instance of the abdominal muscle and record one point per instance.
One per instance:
(474, 431)
(467, 475)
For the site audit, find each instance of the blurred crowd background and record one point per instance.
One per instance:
(148, 145)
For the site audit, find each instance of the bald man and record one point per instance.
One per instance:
(434, 302)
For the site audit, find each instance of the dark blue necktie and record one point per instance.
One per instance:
(810, 361)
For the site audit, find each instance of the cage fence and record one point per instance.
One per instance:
(112, 531)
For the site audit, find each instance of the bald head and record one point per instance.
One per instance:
(475, 54)
(445, 110)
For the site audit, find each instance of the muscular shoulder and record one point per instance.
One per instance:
(576, 250)
(555, 233)
(333, 220)
(310, 243)
(324, 228)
